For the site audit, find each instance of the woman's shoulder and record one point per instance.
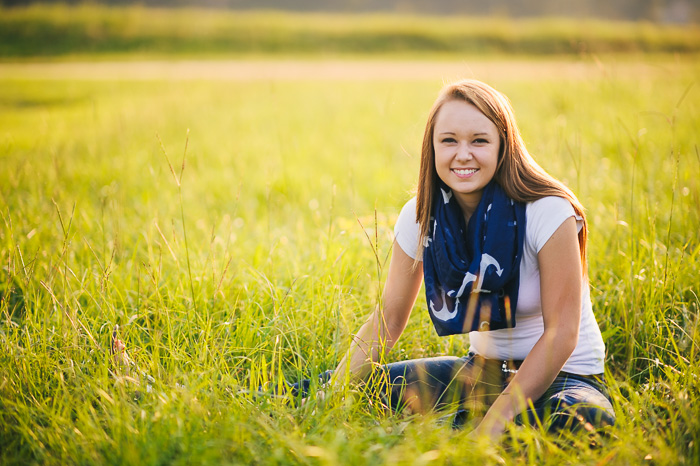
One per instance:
(407, 229)
(549, 203)
(410, 204)
(544, 216)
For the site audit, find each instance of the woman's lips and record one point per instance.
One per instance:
(464, 172)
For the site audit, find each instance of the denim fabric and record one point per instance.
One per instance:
(302, 388)
(472, 383)
(571, 402)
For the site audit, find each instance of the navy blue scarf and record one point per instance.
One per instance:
(472, 277)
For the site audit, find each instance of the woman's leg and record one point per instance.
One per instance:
(572, 402)
(421, 385)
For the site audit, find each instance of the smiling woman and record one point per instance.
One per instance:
(503, 247)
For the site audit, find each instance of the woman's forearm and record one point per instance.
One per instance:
(372, 341)
(534, 376)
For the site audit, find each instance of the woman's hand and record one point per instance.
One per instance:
(492, 432)
(320, 396)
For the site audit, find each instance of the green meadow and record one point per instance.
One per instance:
(238, 232)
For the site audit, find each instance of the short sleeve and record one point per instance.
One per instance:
(545, 216)
(407, 229)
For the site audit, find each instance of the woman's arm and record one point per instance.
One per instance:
(384, 326)
(560, 289)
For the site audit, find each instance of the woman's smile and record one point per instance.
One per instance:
(464, 172)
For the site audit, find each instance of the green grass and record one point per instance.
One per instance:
(59, 31)
(276, 272)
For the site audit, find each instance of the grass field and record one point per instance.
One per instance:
(237, 230)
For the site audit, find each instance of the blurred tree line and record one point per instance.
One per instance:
(673, 11)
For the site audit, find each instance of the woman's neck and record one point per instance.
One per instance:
(468, 205)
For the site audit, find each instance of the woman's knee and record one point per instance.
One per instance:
(424, 384)
(577, 406)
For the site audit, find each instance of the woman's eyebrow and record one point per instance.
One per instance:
(452, 133)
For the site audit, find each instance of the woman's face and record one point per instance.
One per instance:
(466, 151)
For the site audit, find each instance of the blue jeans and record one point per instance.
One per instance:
(472, 383)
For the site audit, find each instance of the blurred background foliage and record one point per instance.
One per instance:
(87, 29)
(676, 11)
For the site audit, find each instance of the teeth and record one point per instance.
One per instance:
(465, 171)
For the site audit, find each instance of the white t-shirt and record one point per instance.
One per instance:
(544, 217)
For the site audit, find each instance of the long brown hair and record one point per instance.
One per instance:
(516, 172)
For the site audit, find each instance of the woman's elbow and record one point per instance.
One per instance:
(568, 338)
(571, 343)
(563, 338)
(394, 329)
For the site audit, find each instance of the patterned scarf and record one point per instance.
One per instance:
(472, 277)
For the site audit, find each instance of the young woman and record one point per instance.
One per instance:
(501, 246)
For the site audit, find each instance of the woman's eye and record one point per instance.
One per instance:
(480, 141)
(448, 141)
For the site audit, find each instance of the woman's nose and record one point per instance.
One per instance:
(463, 152)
